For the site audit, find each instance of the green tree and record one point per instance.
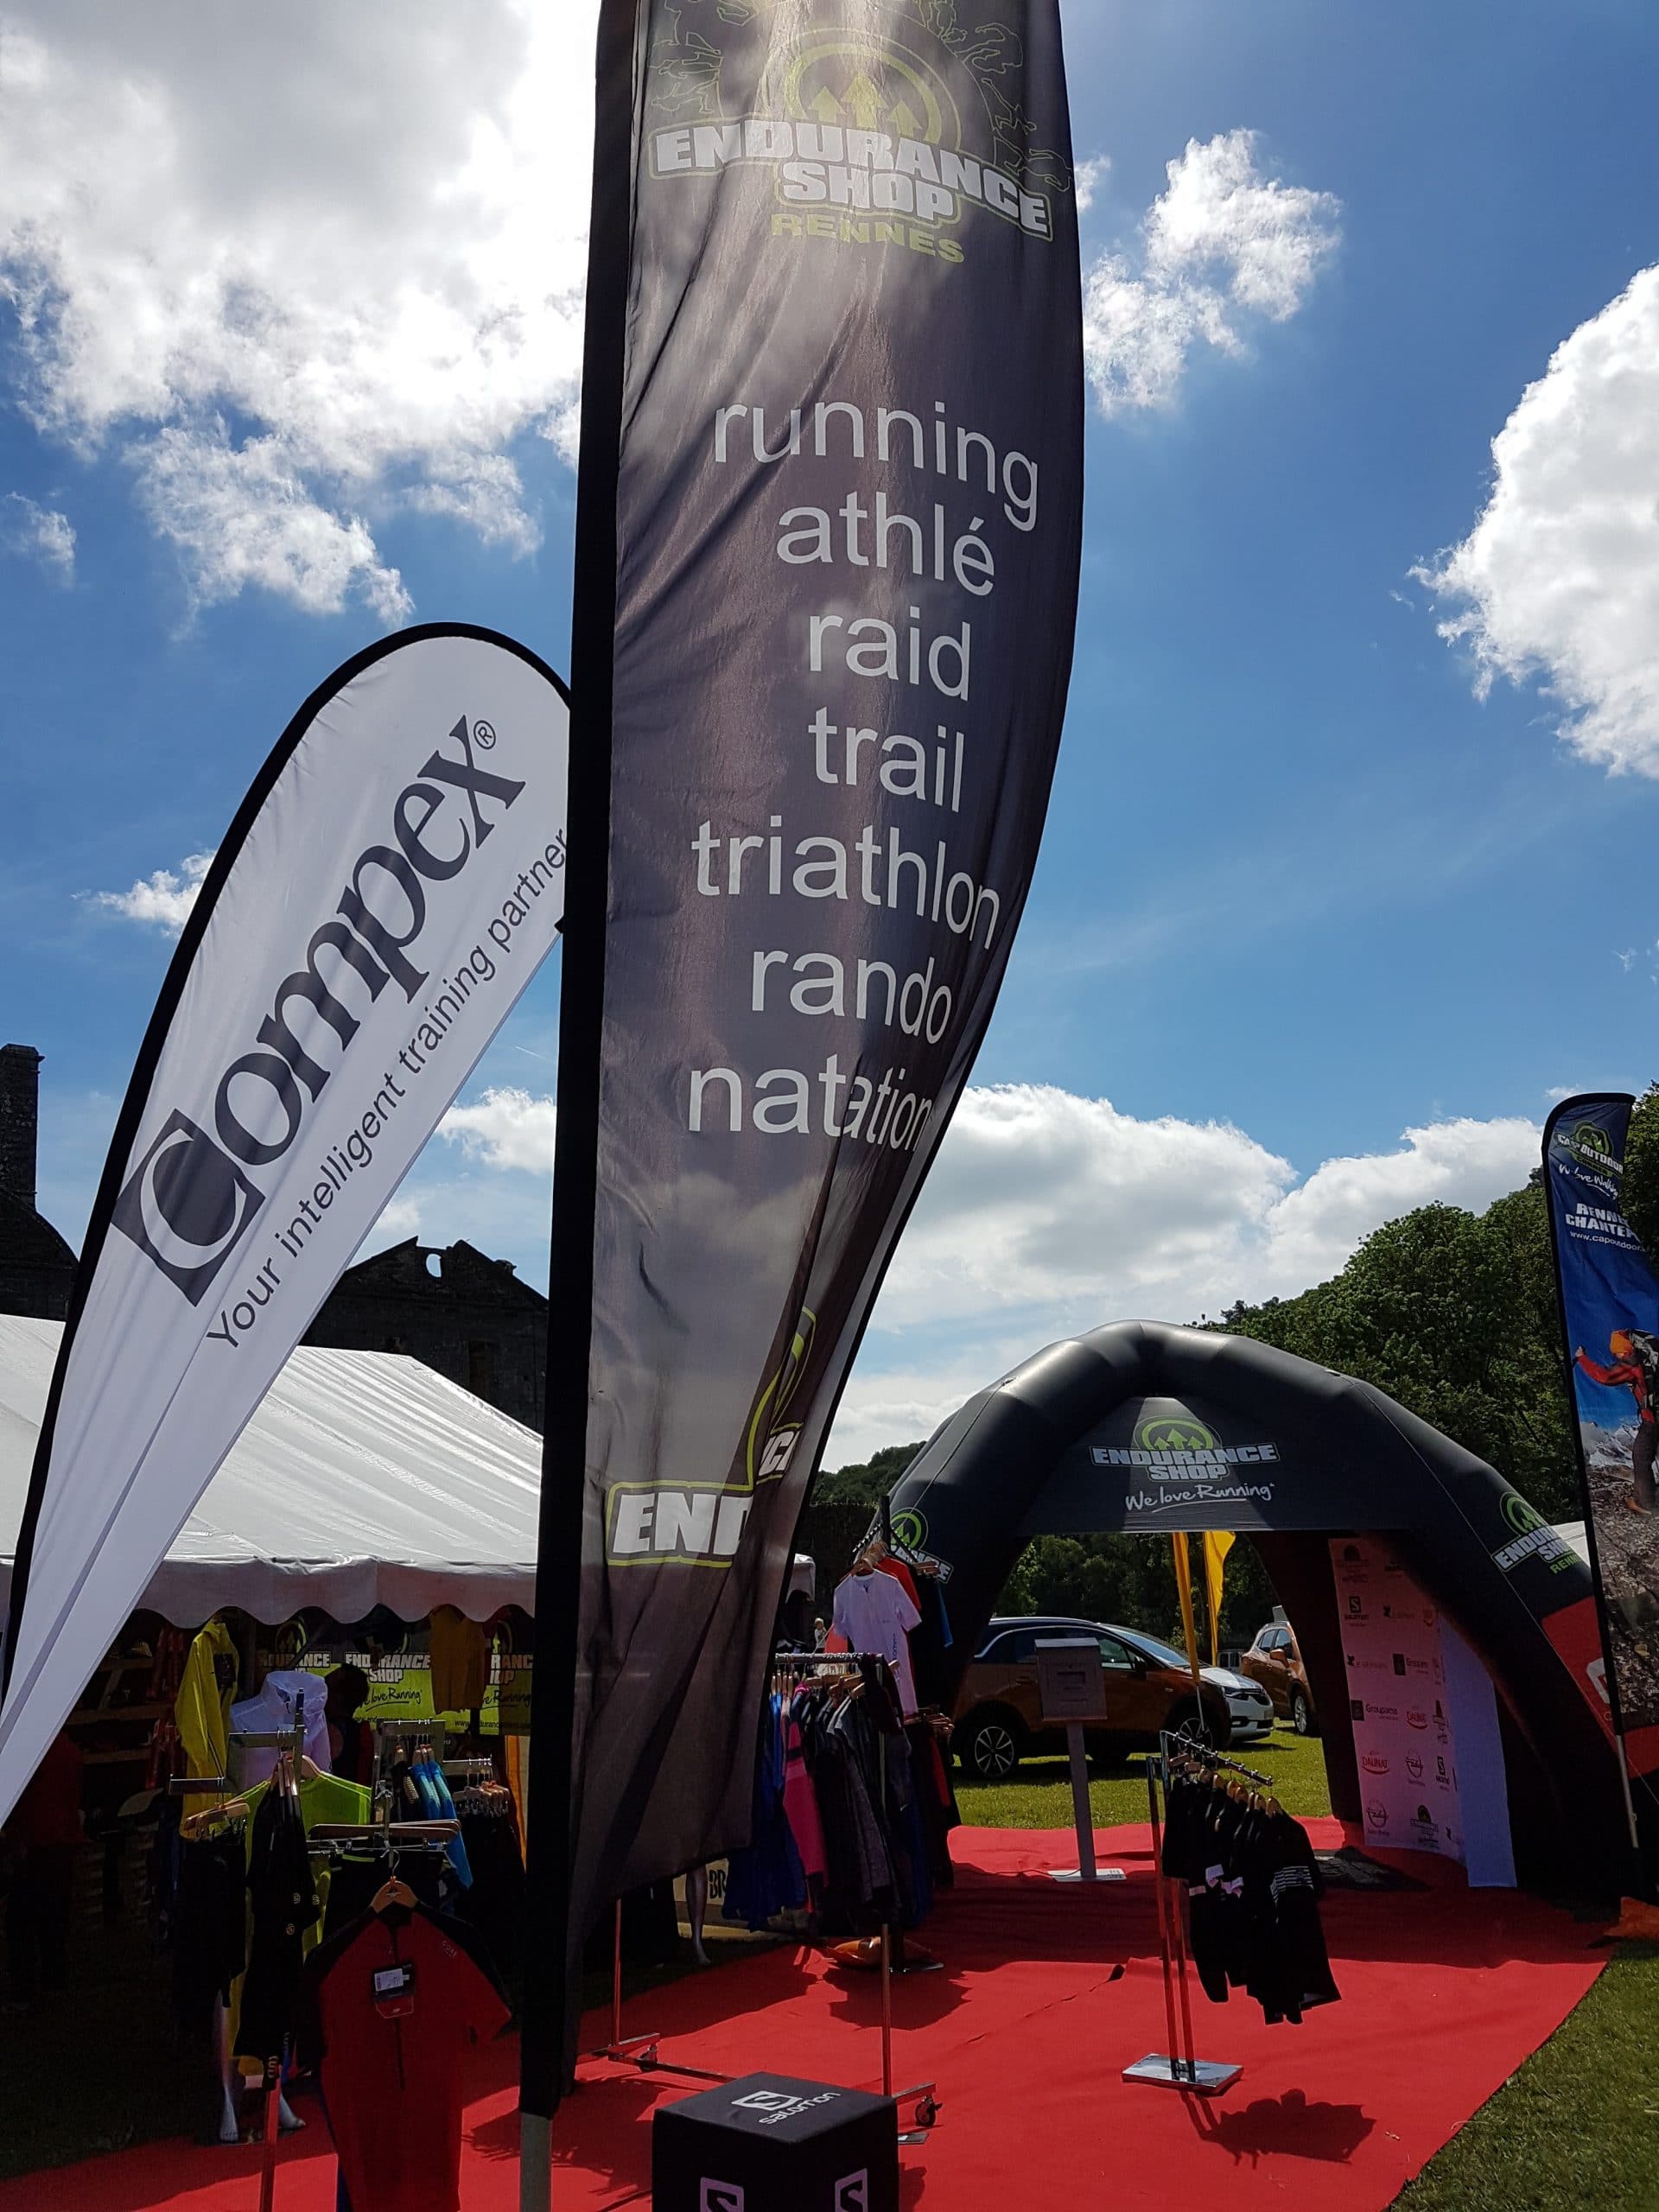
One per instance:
(1640, 1189)
(865, 1482)
(1456, 1315)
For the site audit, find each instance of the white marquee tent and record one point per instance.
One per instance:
(364, 1479)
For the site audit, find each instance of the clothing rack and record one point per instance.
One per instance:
(391, 1737)
(1179, 2068)
(1188, 1747)
(643, 2052)
(806, 1664)
(291, 1741)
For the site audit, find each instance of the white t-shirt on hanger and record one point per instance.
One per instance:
(873, 1612)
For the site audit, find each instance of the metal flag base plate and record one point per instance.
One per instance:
(1206, 2077)
(1096, 1874)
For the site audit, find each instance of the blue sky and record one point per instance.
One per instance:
(1318, 929)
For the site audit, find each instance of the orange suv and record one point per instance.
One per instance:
(1275, 1661)
(999, 1711)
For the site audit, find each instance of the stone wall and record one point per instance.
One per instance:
(455, 1309)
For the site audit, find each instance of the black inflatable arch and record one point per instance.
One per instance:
(1147, 1429)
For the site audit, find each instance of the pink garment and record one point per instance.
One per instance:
(801, 1807)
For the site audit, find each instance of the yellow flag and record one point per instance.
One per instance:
(1184, 1590)
(1216, 1545)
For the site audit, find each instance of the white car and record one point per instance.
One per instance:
(1247, 1701)
(1249, 1706)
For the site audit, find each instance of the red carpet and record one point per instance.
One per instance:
(1026, 2038)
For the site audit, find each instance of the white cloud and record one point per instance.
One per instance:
(242, 515)
(1087, 179)
(164, 899)
(1047, 1213)
(300, 267)
(1046, 1203)
(1559, 579)
(505, 1127)
(1221, 247)
(39, 534)
(401, 1220)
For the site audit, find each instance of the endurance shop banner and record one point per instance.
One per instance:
(1609, 1305)
(845, 476)
(391, 883)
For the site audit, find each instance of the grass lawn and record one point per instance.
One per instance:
(1575, 2130)
(1041, 1794)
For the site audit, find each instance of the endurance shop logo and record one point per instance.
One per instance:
(1534, 1539)
(887, 135)
(192, 1196)
(1176, 1444)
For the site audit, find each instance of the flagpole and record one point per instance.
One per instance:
(551, 1944)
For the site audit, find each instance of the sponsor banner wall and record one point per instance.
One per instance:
(1610, 1311)
(391, 885)
(846, 521)
(1422, 1711)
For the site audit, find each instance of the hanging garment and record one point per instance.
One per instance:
(322, 1798)
(437, 1804)
(209, 1925)
(801, 1803)
(875, 1614)
(766, 1878)
(861, 1888)
(495, 1903)
(901, 1574)
(461, 1663)
(1290, 1972)
(392, 2004)
(202, 1706)
(284, 1905)
(938, 1803)
(1252, 1888)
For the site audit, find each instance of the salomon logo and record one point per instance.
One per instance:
(189, 1201)
(853, 2192)
(720, 2196)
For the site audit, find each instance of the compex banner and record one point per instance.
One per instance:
(847, 488)
(391, 883)
(1610, 1307)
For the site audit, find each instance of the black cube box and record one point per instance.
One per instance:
(766, 2144)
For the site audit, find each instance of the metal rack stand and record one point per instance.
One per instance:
(643, 2051)
(1178, 2067)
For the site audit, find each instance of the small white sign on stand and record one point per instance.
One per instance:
(1071, 1684)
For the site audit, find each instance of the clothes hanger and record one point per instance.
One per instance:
(393, 1890)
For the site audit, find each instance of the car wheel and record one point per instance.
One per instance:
(1301, 1714)
(1188, 1718)
(993, 1749)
